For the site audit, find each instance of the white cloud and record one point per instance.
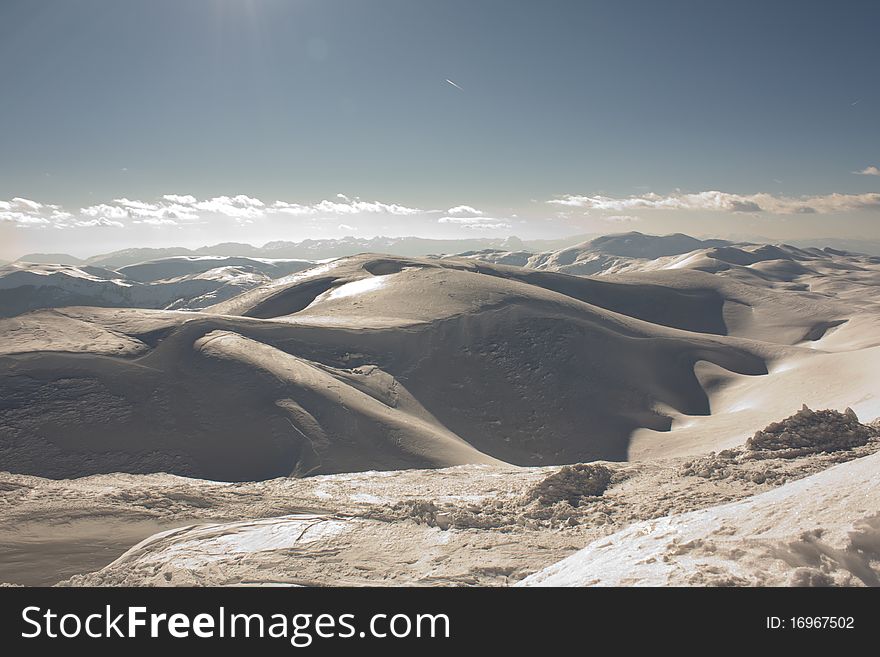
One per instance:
(178, 209)
(240, 207)
(136, 205)
(26, 213)
(292, 208)
(22, 219)
(464, 211)
(475, 222)
(467, 216)
(346, 206)
(175, 208)
(868, 171)
(154, 221)
(184, 199)
(92, 223)
(105, 211)
(26, 204)
(725, 202)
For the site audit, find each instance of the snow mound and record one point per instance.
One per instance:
(811, 432)
(571, 484)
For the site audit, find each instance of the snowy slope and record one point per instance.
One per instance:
(818, 531)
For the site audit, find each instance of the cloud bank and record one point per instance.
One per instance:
(27, 213)
(353, 214)
(724, 202)
(344, 206)
(178, 210)
(183, 209)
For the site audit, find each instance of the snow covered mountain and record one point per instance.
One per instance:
(467, 384)
(184, 283)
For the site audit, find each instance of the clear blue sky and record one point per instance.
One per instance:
(300, 100)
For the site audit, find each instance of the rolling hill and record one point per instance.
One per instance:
(381, 362)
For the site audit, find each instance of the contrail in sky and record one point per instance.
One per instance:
(454, 85)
